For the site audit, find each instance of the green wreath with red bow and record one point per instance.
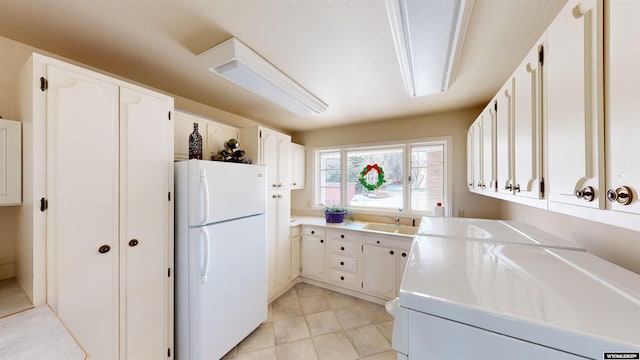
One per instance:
(363, 177)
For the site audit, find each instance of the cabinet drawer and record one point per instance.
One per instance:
(344, 248)
(343, 278)
(312, 231)
(392, 242)
(341, 235)
(343, 263)
(295, 231)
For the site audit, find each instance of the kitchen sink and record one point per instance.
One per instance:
(392, 229)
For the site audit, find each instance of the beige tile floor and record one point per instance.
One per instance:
(309, 322)
(12, 298)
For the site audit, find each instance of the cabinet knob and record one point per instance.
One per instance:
(104, 249)
(391, 252)
(509, 187)
(274, 196)
(294, 184)
(623, 195)
(342, 263)
(588, 193)
(377, 241)
(321, 241)
(516, 188)
(404, 254)
(342, 248)
(341, 277)
(342, 236)
(133, 242)
(312, 232)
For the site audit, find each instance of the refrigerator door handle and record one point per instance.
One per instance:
(205, 195)
(205, 258)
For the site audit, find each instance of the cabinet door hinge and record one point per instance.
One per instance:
(541, 55)
(44, 204)
(169, 196)
(44, 84)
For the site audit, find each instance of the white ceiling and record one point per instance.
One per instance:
(340, 50)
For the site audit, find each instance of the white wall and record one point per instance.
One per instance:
(453, 124)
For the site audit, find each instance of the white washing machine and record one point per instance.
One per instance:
(462, 298)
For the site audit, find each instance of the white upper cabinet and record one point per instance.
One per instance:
(297, 166)
(10, 162)
(504, 138)
(573, 67)
(214, 135)
(623, 107)
(527, 125)
(488, 147)
(271, 148)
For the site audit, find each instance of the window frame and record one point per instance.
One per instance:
(406, 145)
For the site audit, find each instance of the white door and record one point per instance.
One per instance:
(82, 224)
(379, 270)
(488, 150)
(504, 124)
(145, 218)
(269, 156)
(10, 162)
(527, 126)
(313, 255)
(573, 69)
(284, 161)
(623, 106)
(283, 240)
(477, 154)
(230, 300)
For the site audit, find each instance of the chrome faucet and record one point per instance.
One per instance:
(396, 219)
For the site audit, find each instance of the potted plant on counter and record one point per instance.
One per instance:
(334, 214)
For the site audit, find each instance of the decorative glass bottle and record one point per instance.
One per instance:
(195, 144)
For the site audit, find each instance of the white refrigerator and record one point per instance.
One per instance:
(220, 256)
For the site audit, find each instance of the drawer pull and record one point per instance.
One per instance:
(342, 236)
(342, 263)
(321, 241)
(312, 232)
(342, 278)
(342, 248)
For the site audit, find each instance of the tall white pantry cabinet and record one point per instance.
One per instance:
(99, 171)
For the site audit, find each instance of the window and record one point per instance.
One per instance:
(415, 176)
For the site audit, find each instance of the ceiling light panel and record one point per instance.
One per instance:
(236, 62)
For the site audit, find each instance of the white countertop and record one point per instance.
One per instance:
(500, 231)
(37, 334)
(567, 299)
(346, 225)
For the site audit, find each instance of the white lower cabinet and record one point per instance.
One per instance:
(313, 253)
(296, 243)
(379, 270)
(369, 265)
(342, 262)
(108, 208)
(383, 263)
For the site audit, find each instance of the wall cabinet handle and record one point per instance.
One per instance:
(622, 195)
